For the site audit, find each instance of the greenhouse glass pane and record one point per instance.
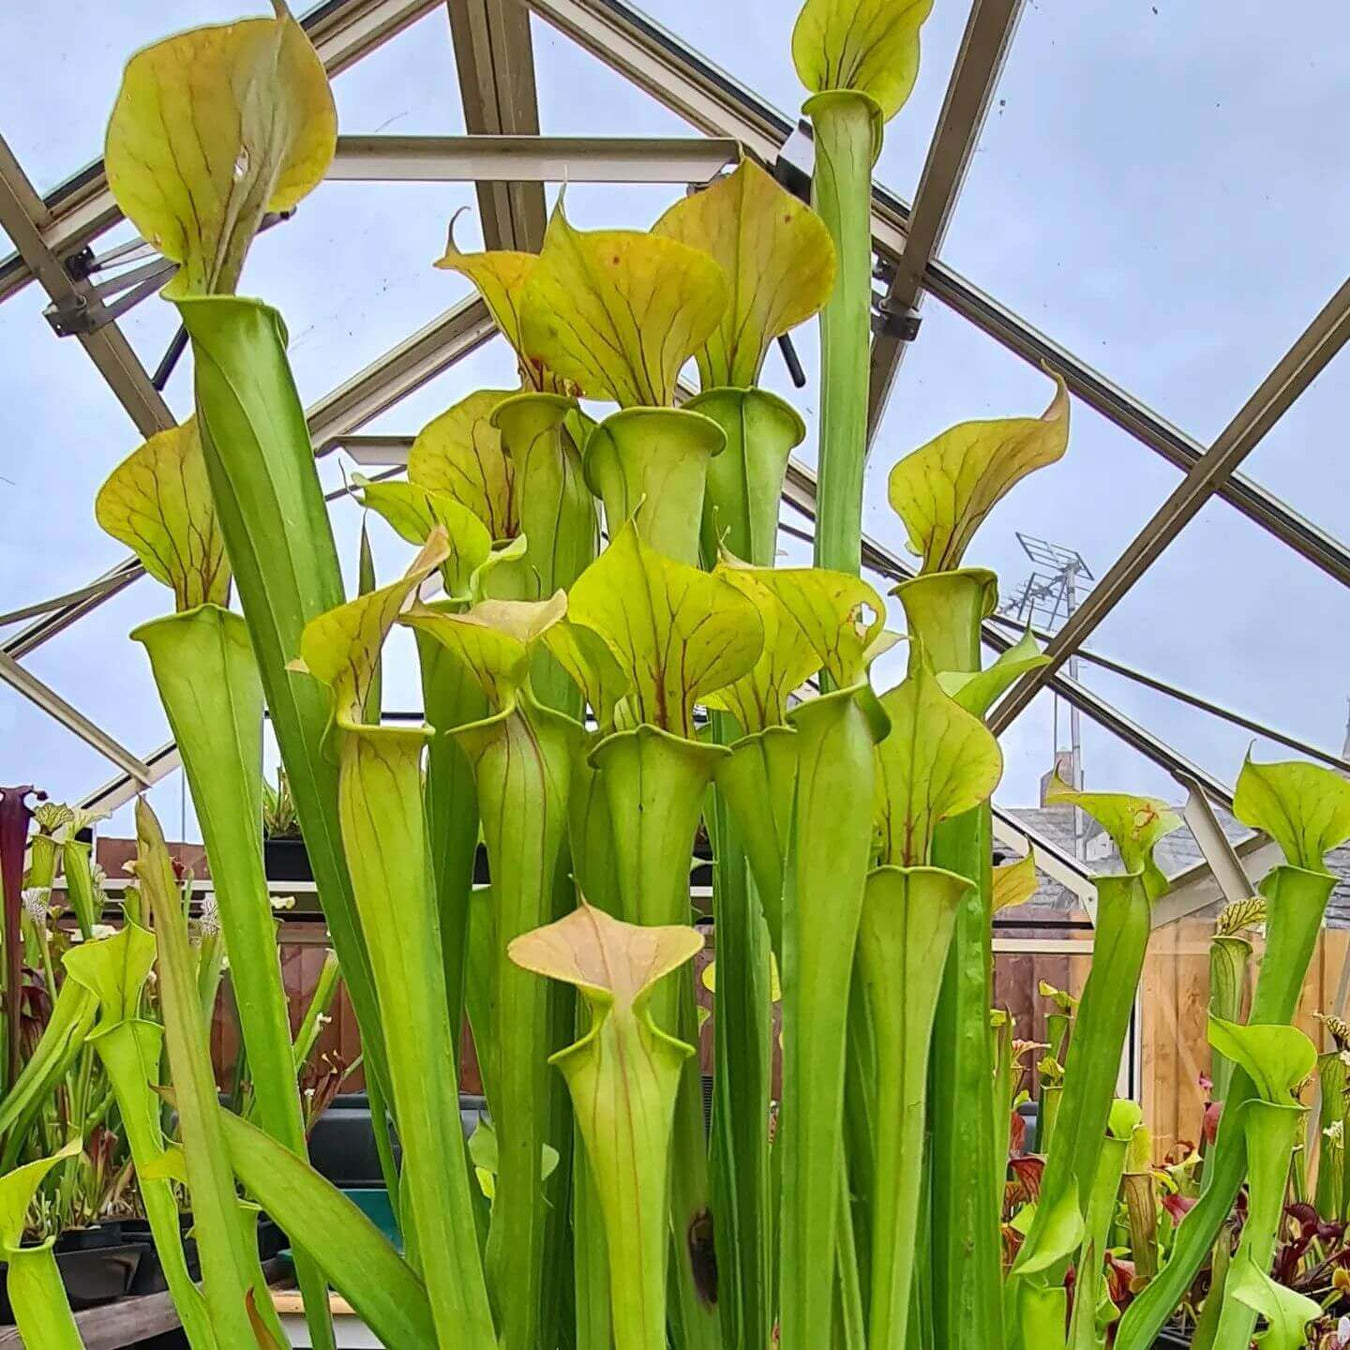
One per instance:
(65, 432)
(406, 87)
(1093, 500)
(581, 96)
(1231, 614)
(95, 666)
(75, 52)
(351, 273)
(39, 750)
(752, 42)
(1301, 458)
(1152, 190)
(492, 366)
(63, 67)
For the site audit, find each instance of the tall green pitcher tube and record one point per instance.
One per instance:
(384, 833)
(944, 611)
(451, 698)
(280, 544)
(907, 921)
(521, 761)
(745, 481)
(557, 518)
(208, 682)
(822, 906)
(655, 783)
(847, 141)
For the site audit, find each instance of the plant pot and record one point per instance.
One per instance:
(342, 1142)
(1172, 1340)
(149, 1277)
(92, 1276)
(286, 860)
(109, 1233)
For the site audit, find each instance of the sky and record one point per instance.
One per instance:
(1160, 187)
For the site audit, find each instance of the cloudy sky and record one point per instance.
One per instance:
(1161, 186)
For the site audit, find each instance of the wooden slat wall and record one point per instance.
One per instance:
(1173, 1009)
(1174, 998)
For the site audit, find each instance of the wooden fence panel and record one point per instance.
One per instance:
(1173, 1008)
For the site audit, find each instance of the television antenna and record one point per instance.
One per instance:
(1047, 599)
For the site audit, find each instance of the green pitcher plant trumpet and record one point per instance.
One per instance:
(1123, 925)
(1277, 1060)
(33, 1282)
(212, 129)
(779, 260)
(937, 761)
(521, 755)
(623, 1075)
(859, 60)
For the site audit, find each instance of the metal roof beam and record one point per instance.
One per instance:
(979, 62)
(495, 57)
(1316, 346)
(121, 789)
(1191, 700)
(502, 161)
(23, 216)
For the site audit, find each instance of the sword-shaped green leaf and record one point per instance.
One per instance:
(357, 1258)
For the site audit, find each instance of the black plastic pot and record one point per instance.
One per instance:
(342, 1143)
(149, 1277)
(110, 1233)
(92, 1276)
(286, 860)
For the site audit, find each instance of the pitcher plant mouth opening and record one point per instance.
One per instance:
(728, 984)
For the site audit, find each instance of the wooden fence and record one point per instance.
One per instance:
(1173, 1002)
